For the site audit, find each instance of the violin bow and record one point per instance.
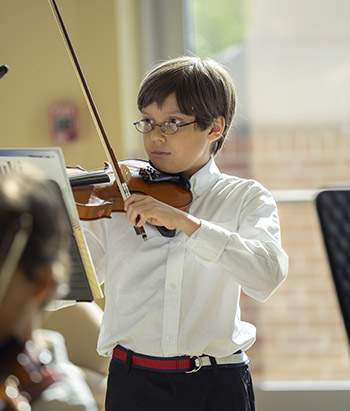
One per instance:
(122, 185)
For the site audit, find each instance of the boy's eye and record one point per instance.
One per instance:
(173, 125)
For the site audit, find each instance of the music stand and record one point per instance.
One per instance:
(333, 208)
(83, 283)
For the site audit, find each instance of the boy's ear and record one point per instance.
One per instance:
(216, 129)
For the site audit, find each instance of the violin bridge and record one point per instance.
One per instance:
(126, 172)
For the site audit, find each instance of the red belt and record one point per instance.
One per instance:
(160, 364)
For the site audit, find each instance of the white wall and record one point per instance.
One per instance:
(303, 396)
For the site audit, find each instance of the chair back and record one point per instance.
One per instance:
(333, 208)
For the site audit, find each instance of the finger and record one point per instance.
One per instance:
(131, 199)
(135, 211)
(144, 211)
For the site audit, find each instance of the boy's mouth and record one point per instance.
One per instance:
(160, 154)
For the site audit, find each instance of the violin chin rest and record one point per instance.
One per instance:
(166, 232)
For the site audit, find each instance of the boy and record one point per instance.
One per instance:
(172, 317)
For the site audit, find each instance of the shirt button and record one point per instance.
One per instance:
(177, 242)
(173, 286)
(169, 338)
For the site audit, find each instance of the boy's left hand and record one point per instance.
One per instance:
(141, 209)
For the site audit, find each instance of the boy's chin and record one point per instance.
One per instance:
(164, 167)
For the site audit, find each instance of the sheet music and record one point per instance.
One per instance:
(82, 277)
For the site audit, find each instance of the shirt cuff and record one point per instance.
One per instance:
(209, 241)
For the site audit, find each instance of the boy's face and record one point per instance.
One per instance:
(186, 151)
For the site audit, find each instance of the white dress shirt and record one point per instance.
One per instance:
(180, 296)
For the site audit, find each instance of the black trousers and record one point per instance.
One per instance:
(210, 389)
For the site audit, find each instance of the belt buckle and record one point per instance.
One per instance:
(198, 367)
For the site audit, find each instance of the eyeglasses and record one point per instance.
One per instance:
(168, 127)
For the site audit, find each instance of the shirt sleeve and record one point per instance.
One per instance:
(252, 254)
(95, 235)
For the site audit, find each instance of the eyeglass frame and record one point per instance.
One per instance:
(161, 126)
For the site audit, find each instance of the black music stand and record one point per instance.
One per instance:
(333, 208)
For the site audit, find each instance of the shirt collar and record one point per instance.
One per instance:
(205, 177)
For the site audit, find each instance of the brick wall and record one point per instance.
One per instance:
(301, 335)
(301, 159)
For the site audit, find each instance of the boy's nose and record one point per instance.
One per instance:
(157, 134)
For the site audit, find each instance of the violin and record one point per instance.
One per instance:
(97, 195)
(25, 373)
(144, 178)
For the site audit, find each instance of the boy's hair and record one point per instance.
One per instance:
(203, 89)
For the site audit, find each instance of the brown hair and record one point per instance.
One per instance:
(49, 232)
(203, 89)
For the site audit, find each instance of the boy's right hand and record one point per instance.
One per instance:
(141, 209)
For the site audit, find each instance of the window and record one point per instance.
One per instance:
(290, 66)
(218, 25)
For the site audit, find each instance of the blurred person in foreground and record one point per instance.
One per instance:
(34, 235)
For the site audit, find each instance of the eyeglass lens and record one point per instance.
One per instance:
(168, 127)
